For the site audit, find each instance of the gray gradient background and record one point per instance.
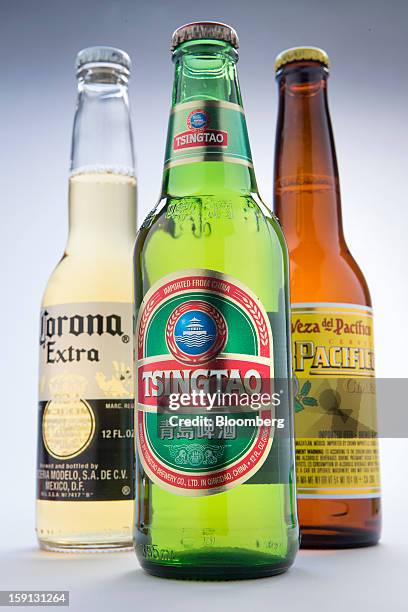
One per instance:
(367, 42)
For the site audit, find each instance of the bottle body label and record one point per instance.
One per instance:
(86, 393)
(206, 130)
(335, 409)
(204, 352)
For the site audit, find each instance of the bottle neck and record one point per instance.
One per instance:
(207, 148)
(102, 135)
(102, 189)
(306, 185)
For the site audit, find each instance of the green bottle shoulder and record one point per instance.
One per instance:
(219, 217)
(234, 234)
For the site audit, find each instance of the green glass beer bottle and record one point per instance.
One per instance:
(215, 476)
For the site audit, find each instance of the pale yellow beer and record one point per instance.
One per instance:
(96, 267)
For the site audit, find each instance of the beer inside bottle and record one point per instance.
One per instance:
(85, 492)
(215, 473)
(332, 331)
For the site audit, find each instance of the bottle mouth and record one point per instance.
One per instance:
(100, 73)
(204, 30)
(304, 78)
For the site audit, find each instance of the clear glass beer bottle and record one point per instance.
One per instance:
(85, 444)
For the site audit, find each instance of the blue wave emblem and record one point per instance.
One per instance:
(195, 332)
(198, 120)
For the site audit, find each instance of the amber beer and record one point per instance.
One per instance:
(332, 332)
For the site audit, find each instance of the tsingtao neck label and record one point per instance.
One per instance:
(206, 130)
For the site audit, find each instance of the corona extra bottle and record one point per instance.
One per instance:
(215, 475)
(332, 329)
(85, 447)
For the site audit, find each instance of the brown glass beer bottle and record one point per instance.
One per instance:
(332, 332)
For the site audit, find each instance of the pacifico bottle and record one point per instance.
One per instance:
(215, 474)
(85, 492)
(332, 330)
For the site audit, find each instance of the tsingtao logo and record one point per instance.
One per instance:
(199, 134)
(196, 332)
(198, 120)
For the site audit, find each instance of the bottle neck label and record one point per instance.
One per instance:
(207, 130)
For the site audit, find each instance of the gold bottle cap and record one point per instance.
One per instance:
(297, 54)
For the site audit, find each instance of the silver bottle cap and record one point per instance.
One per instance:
(103, 55)
(204, 29)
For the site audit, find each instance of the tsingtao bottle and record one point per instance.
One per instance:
(332, 330)
(85, 449)
(215, 475)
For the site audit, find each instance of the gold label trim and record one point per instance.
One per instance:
(208, 157)
(340, 492)
(330, 307)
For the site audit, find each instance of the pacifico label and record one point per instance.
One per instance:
(206, 130)
(335, 409)
(204, 348)
(85, 418)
